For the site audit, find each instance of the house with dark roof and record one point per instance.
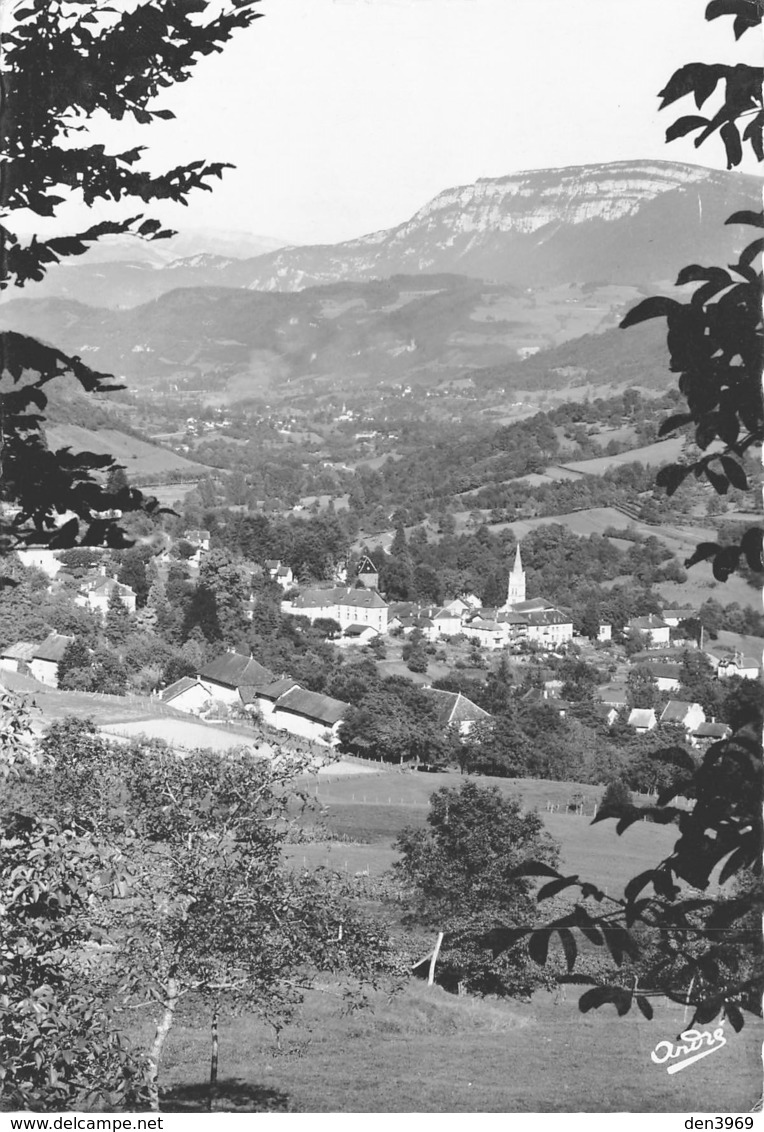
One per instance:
(347, 605)
(263, 697)
(666, 676)
(230, 671)
(309, 715)
(746, 667)
(455, 710)
(46, 656)
(549, 628)
(358, 634)
(710, 732)
(608, 713)
(364, 606)
(14, 658)
(279, 573)
(683, 714)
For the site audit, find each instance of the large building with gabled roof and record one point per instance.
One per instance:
(230, 671)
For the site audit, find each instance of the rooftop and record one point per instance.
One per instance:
(312, 705)
(233, 670)
(453, 707)
(52, 648)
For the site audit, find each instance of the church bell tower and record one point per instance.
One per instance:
(516, 587)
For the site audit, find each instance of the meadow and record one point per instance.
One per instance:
(424, 1050)
(139, 458)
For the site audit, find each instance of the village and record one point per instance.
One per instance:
(356, 620)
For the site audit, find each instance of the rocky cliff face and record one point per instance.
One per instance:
(625, 222)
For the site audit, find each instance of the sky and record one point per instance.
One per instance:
(346, 116)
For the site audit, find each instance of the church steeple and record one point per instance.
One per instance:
(516, 587)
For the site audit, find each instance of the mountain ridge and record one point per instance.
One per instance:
(632, 222)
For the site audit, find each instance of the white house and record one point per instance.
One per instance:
(280, 574)
(199, 539)
(604, 632)
(447, 622)
(654, 628)
(642, 720)
(455, 710)
(188, 694)
(549, 628)
(683, 714)
(227, 673)
(747, 667)
(362, 605)
(346, 605)
(486, 632)
(309, 715)
(99, 593)
(14, 657)
(45, 657)
(666, 676)
(263, 697)
(358, 634)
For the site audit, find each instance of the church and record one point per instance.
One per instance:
(519, 620)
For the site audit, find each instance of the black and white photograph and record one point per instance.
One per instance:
(381, 561)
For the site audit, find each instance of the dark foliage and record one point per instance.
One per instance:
(63, 62)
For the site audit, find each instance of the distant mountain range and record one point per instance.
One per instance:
(625, 222)
(425, 329)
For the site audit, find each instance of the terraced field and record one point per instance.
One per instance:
(138, 457)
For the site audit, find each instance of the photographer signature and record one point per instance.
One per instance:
(693, 1044)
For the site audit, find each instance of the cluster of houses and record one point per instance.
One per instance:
(39, 659)
(362, 614)
(236, 680)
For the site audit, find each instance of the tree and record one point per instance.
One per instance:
(641, 688)
(117, 622)
(185, 886)
(76, 656)
(133, 572)
(459, 875)
(617, 795)
(60, 1047)
(63, 62)
(715, 343)
(715, 339)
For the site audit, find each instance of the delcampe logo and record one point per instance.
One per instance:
(692, 1045)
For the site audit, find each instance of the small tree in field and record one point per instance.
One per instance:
(616, 796)
(458, 873)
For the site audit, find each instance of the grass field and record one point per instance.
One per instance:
(138, 457)
(424, 1050)
(366, 814)
(651, 455)
(428, 1051)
